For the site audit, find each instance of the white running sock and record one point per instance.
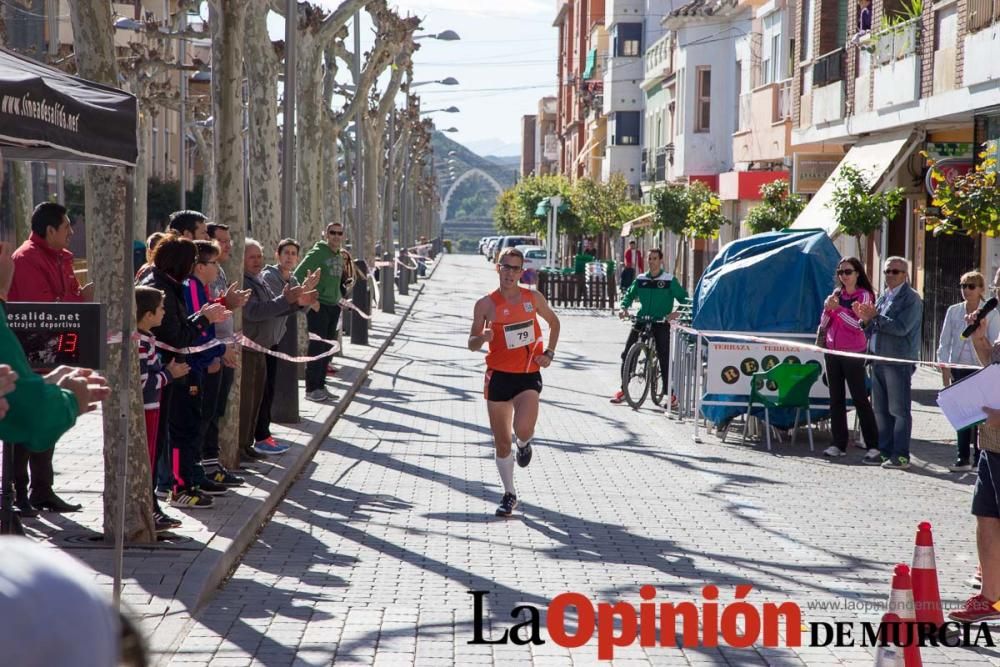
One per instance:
(506, 468)
(521, 444)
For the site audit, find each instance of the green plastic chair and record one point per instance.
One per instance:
(793, 382)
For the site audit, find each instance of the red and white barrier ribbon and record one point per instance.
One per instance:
(344, 303)
(238, 339)
(406, 266)
(798, 345)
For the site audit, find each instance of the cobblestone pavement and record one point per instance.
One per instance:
(372, 555)
(160, 582)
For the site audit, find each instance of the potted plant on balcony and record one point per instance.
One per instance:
(777, 210)
(860, 211)
(969, 204)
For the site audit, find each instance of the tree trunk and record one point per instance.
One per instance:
(205, 140)
(373, 132)
(20, 188)
(309, 136)
(228, 23)
(107, 242)
(265, 170)
(140, 226)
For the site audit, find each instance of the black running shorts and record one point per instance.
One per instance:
(503, 386)
(986, 494)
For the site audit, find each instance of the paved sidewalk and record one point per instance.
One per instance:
(164, 582)
(371, 556)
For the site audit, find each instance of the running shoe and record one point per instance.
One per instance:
(190, 499)
(222, 476)
(874, 458)
(619, 397)
(163, 522)
(507, 505)
(211, 488)
(833, 451)
(976, 609)
(960, 467)
(896, 463)
(270, 446)
(523, 455)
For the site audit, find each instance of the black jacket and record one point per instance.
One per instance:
(179, 328)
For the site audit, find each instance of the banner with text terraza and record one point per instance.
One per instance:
(46, 114)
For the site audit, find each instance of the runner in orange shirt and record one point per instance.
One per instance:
(507, 319)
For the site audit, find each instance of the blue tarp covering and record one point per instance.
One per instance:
(771, 282)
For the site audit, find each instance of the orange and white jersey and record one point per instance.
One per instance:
(517, 336)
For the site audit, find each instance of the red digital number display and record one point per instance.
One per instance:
(67, 343)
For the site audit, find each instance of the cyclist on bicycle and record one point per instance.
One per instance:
(657, 292)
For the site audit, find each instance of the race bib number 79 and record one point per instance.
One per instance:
(519, 334)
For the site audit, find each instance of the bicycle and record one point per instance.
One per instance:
(641, 373)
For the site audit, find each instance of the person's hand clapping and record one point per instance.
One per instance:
(8, 379)
(865, 311)
(831, 302)
(214, 312)
(292, 294)
(308, 298)
(235, 297)
(312, 279)
(88, 387)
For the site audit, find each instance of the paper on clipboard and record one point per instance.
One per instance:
(962, 402)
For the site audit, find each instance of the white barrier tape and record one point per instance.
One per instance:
(419, 247)
(344, 303)
(382, 265)
(238, 339)
(798, 345)
(407, 266)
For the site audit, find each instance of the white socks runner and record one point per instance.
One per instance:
(506, 468)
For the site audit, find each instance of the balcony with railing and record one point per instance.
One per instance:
(983, 27)
(895, 56)
(764, 123)
(827, 94)
(659, 60)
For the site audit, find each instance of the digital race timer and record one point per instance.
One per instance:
(53, 334)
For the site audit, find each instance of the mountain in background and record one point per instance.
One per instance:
(509, 161)
(495, 147)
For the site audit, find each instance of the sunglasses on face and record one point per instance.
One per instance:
(845, 272)
(893, 272)
(968, 286)
(335, 233)
(510, 267)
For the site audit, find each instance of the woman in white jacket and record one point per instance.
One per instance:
(953, 349)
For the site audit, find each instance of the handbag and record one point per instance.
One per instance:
(821, 336)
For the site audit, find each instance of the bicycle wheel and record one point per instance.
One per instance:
(655, 382)
(636, 374)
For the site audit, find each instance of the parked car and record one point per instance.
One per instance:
(534, 257)
(490, 246)
(511, 242)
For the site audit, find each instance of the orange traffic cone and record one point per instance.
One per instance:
(901, 604)
(889, 655)
(926, 594)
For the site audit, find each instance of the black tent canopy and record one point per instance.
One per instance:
(48, 115)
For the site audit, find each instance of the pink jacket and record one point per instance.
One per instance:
(843, 329)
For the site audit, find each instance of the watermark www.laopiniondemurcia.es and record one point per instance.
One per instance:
(573, 620)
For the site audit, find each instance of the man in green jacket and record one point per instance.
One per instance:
(657, 291)
(336, 269)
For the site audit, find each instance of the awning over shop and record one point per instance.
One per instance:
(46, 114)
(588, 72)
(643, 221)
(878, 157)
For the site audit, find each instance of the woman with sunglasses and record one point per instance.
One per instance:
(842, 332)
(953, 349)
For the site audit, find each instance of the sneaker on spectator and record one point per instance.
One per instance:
(270, 446)
(190, 499)
(161, 493)
(163, 522)
(833, 451)
(873, 458)
(960, 467)
(318, 395)
(976, 609)
(222, 476)
(619, 397)
(896, 463)
(211, 488)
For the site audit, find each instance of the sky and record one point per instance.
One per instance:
(505, 62)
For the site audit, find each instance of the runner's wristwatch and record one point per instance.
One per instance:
(550, 354)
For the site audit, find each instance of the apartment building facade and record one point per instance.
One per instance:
(579, 23)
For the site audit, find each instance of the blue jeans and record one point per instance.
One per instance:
(891, 401)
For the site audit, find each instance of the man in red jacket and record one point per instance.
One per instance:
(43, 272)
